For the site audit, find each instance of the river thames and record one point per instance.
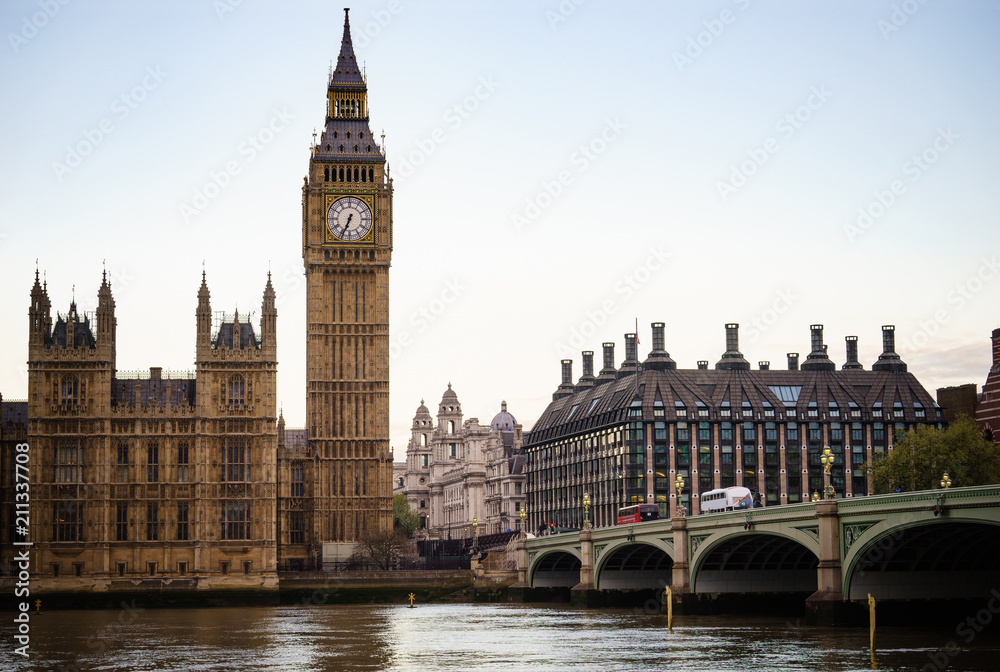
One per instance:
(477, 637)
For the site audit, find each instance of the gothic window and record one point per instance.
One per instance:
(451, 426)
(69, 463)
(236, 391)
(335, 135)
(328, 147)
(152, 522)
(423, 440)
(326, 174)
(235, 520)
(341, 148)
(182, 462)
(153, 462)
(423, 460)
(121, 522)
(234, 463)
(298, 482)
(369, 149)
(371, 171)
(69, 392)
(296, 529)
(121, 468)
(355, 149)
(341, 174)
(182, 522)
(67, 521)
(348, 135)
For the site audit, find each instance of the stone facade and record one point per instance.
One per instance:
(142, 479)
(459, 471)
(346, 250)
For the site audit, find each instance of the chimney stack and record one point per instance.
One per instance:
(608, 372)
(703, 364)
(631, 364)
(889, 360)
(852, 354)
(566, 388)
(659, 358)
(817, 360)
(587, 379)
(732, 358)
(764, 366)
(793, 361)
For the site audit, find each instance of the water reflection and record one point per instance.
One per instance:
(480, 637)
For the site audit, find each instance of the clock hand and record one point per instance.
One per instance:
(348, 223)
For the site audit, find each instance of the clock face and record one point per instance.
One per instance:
(349, 218)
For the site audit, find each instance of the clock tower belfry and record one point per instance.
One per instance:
(346, 249)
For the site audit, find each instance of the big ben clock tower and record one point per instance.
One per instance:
(346, 248)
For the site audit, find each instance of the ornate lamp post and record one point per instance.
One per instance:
(586, 511)
(815, 497)
(524, 515)
(945, 481)
(827, 460)
(475, 538)
(679, 484)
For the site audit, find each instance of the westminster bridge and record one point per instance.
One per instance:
(935, 544)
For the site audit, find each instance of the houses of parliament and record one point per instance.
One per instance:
(191, 479)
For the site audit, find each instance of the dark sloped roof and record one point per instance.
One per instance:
(153, 392)
(14, 413)
(82, 334)
(692, 389)
(246, 334)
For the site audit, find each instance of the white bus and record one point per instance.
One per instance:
(726, 499)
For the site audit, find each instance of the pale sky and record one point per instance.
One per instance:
(562, 169)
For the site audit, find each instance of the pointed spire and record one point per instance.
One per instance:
(347, 71)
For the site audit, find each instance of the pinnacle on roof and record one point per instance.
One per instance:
(347, 71)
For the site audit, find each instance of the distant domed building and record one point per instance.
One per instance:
(458, 471)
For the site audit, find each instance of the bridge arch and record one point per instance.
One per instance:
(556, 568)
(955, 556)
(634, 565)
(755, 562)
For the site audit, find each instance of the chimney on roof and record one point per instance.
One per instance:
(793, 361)
(155, 372)
(566, 388)
(587, 379)
(659, 358)
(889, 360)
(703, 364)
(996, 349)
(817, 360)
(852, 354)
(631, 364)
(764, 366)
(732, 358)
(608, 372)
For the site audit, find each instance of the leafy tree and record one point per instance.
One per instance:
(383, 549)
(404, 519)
(920, 457)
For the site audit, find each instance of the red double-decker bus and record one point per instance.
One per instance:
(638, 513)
